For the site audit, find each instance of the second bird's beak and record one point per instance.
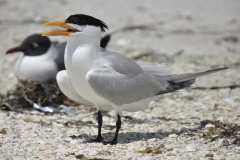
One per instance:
(61, 24)
(15, 49)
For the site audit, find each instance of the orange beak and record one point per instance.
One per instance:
(61, 24)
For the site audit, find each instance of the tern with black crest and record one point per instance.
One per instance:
(109, 80)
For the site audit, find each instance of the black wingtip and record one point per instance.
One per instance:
(223, 68)
(218, 69)
(172, 87)
(105, 40)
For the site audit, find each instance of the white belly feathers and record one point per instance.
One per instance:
(78, 65)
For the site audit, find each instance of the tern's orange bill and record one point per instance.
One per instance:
(61, 24)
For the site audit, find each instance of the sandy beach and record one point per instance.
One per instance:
(185, 36)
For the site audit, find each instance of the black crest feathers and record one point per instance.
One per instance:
(81, 19)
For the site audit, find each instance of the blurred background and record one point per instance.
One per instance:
(183, 35)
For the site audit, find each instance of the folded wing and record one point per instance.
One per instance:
(121, 89)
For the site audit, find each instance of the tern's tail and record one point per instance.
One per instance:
(182, 81)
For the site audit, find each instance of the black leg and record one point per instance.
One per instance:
(99, 136)
(118, 126)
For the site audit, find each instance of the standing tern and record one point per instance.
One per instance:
(109, 80)
(41, 59)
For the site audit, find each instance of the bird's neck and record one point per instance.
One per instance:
(85, 39)
(51, 52)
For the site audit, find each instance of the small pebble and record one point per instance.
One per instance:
(214, 136)
(4, 131)
(68, 139)
(184, 129)
(209, 125)
(208, 155)
(48, 129)
(152, 140)
(169, 147)
(72, 132)
(41, 142)
(105, 153)
(218, 157)
(191, 147)
(220, 152)
(224, 142)
(225, 108)
(73, 141)
(92, 153)
(172, 135)
(16, 136)
(29, 149)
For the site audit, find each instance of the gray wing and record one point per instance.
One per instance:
(120, 89)
(122, 82)
(162, 73)
(190, 76)
(155, 70)
(60, 47)
(183, 81)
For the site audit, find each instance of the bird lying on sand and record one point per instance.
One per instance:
(42, 59)
(109, 80)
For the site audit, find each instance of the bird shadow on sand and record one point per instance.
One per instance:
(129, 137)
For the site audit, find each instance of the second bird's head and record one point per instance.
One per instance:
(75, 25)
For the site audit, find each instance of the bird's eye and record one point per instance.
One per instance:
(35, 45)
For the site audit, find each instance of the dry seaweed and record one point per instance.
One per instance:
(27, 92)
(83, 157)
(220, 130)
(134, 120)
(78, 123)
(150, 150)
(237, 141)
(3, 131)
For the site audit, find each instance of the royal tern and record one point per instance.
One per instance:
(109, 80)
(41, 59)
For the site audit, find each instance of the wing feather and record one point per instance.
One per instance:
(121, 89)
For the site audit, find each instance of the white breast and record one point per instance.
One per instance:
(78, 63)
(37, 68)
